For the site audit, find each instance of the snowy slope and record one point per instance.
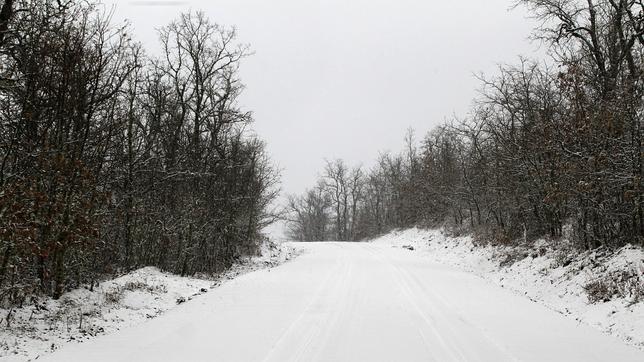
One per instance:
(356, 302)
(126, 301)
(551, 278)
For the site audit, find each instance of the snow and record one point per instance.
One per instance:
(129, 300)
(361, 302)
(539, 273)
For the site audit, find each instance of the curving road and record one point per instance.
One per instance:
(356, 302)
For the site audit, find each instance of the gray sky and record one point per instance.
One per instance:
(346, 78)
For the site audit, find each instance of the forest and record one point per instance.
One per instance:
(112, 159)
(550, 148)
(141, 154)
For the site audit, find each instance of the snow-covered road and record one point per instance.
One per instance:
(356, 302)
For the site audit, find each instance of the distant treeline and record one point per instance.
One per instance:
(548, 150)
(111, 159)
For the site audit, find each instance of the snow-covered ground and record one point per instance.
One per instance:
(357, 302)
(552, 278)
(128, 300)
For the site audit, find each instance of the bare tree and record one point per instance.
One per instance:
(336, 184)
(545, 146)
(110, 160)
(6, 13)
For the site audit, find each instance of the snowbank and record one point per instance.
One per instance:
(114, 304)
(552, 278)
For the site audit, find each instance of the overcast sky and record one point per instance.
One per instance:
(347, 78)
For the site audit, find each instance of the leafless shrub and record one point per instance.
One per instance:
(562, 259)
(620, 284)
(509, 256)
(140, 285)
(113, 296)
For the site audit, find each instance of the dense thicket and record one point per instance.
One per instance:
(545, 151)
(110, 159)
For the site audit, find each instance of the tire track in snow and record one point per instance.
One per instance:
(443, 305)
(450, 352)
(337, 306)
(297, 340)
(437, 320)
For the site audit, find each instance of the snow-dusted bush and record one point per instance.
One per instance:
(618, 284)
